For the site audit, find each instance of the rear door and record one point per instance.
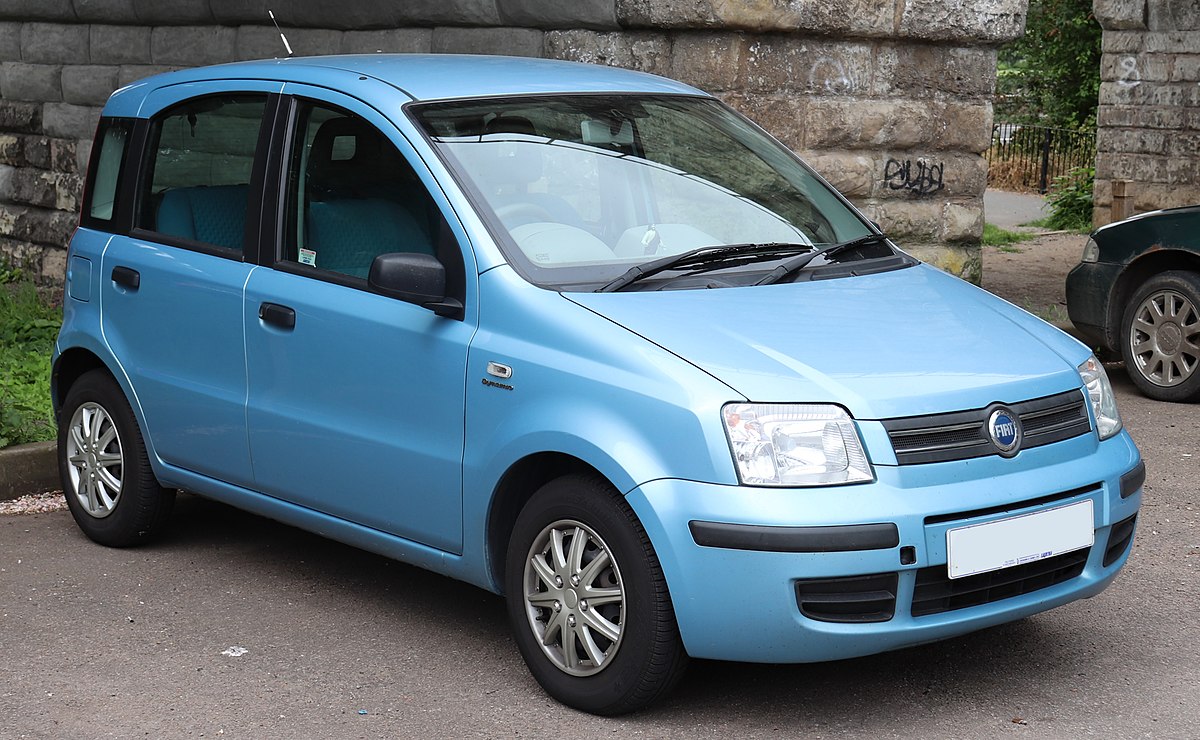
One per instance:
(356, 399)
(172, 289)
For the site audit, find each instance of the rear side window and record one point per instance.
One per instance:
(105, 174)
(197, 182)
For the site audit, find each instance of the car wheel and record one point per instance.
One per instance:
(106, 476)
(1160, 336)
(588, 602)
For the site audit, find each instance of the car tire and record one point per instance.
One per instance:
(110, 488)
(1160, 336)
(605, 658)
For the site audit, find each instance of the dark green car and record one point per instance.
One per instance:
(1137, 292)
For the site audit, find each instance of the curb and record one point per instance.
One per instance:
(26, 469)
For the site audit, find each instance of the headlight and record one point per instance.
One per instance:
(794, 444)
(1100, 393)
(1091, 251)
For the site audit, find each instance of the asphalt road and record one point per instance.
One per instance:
(236, 626)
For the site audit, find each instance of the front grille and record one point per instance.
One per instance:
(961, 435)
(936, 593)
(854, 600)
(1119, 538)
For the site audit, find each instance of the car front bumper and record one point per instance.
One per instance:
(734, 603)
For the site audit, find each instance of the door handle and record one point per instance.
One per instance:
(126, 277)
(277, 315)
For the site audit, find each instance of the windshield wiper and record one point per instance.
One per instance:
(799, 262)
(701, 256)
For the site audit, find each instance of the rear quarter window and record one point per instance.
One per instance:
(105, 173)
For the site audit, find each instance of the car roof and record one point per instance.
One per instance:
(425, 76)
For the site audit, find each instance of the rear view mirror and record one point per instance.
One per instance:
(608, 134)
(414, 278)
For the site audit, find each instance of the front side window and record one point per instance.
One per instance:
(351, 196)
(197, 185)
(582, 187)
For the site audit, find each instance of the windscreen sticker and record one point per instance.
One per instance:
(308, 257)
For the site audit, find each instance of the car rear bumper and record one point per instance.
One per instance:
(781, 578)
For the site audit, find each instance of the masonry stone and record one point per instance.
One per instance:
(119, 44)
(63, 156)
(930, 71)
(852, 173)
(993, 21)
(41, 82)
(54, 264)
(37, 10)
(783, 114)
(263, 42)
(37, 152)
(192, 45)
(862, 18)
(54, 43)
(852, 124)
(640, 50)
(33, 187)
(10, 42)
(519, 42)
(1120, 14)
(172, 12)
(588, 14)
(1173, 15)
(70, 121)
(963, 126)
(105, 11)
(709, 61)
(807, 65)
(20, 117)
(128, 74)
(88, 84)
(6, 182)
(962, 222)
(391, 41)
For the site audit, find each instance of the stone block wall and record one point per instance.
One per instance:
(1149, 117)
(888, 99)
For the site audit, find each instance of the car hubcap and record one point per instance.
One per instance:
(1165, 338)
(574, 598)
(95, 461)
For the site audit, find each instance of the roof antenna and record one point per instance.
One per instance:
(286, 45)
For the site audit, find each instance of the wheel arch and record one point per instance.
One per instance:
(1131, 278)
(518, 484)
(70, 366)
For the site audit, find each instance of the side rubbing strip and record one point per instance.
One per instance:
(1133, 480)
(795, 539)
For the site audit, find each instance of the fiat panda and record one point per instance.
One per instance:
(580, 336)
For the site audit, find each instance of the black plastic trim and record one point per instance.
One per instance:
(1119, 537)
(849, 600)
(841, 538)
(1013, 506)
(1132, 481)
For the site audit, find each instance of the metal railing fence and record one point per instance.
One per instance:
(1030, 157)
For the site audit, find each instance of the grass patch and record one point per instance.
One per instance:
(28, 327)
(994, 236)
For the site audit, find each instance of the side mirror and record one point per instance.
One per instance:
(413, 278)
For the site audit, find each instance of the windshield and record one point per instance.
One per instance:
(580, 188)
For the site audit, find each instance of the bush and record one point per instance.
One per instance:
(1070, 200)
(28, 327)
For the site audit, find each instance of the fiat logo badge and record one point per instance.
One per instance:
(1004, 429)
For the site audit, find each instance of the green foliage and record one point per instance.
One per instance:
(1070, 200)
(994, 236)
(27, 331)
(1051, 75)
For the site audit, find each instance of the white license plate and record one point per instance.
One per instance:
(980, 548)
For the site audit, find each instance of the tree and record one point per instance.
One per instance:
(1051, 75)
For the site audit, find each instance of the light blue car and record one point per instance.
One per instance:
(577, 335)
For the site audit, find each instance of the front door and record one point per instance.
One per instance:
(355, 399)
